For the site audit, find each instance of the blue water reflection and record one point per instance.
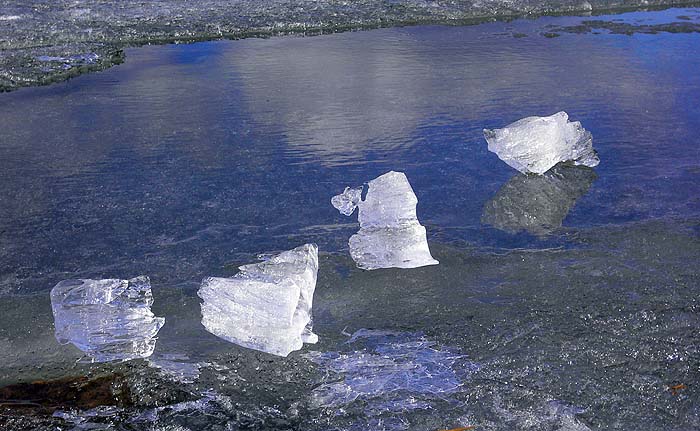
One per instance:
(193, 157)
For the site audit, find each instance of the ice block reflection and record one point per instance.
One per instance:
(538, 204)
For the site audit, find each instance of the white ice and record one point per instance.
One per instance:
(390, 235)
(266, 306)
(347, 201)
(536, 144)
(107, 319)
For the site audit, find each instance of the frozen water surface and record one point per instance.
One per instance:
(536, 144)
(388, 362)
(178, 366)
(574, 291)
(389, 373)
(390, 235)
(109, 319)
(267, 305)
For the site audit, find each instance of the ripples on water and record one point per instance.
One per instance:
(189, 160)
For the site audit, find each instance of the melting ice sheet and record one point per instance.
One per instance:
(536, 144)
(538, 204)
(108, 319)
(385, 373)
(390, 235)
(267, 305)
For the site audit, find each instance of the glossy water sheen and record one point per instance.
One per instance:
(189, 160)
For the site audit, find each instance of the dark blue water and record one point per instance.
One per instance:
(188, 160)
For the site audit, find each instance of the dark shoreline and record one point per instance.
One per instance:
(20, 66)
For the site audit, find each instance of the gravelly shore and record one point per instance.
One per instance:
(46, 41)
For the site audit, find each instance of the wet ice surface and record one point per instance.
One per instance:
(61, 26)
(536, 144)
(385, 374)
(177, 366)
(187, 161)
(390, 234)
(489, 308)
(538, 323)
(108, 320)
(266, 306)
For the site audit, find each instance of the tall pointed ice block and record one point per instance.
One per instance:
(390, 235)
(536, 144)
(267, 305)
(107, 319)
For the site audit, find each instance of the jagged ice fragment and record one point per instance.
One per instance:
(266, 306)
(390, 235)
(347, 201)
(536, 144)
(107, 319)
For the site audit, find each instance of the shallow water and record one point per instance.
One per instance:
(189, 160)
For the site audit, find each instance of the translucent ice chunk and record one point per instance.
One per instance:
(267, 305)
(390, 235)
(107, 319)
(347, 201)
(382, 247)
(538, 204)
(536, 144)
